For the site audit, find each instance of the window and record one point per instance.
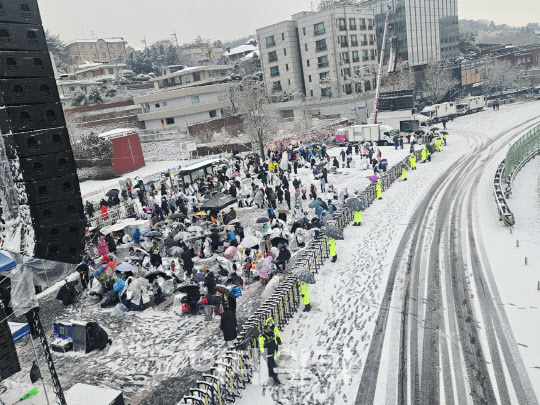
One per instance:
(318, 29)
(358, 87)
(276, 86)
(354, 40)
(307, 62)
(342, 39)
(348, 88)
(94, 55)
(370, 24)
(355, 57)
(363, 40)
(72, 88)
(304, 30)
(119, 45)
(371, 39)
(342, 24)
(287, 67)
(213, 113)
(347, 72)
(367, 85)
(285, 51)
(197, 76)
(272, 57)
(289, 82)
(324, 77)
(311, 93)
(111, 71)
(322, 61)
(164, 103)
(270, 42)
(157, 105)
(274, 71)
(345, 57)
(82, 46)
(195, 100)
(365, 56)
(305, 47)
(104, 54)
(352, 23)
(320, 46)
(362, 23)
(372, 54)
(169, 121)
(309, 78)
(327, 92)
(283, 36)
(101, 46)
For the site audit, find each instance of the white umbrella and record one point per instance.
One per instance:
(249, 241)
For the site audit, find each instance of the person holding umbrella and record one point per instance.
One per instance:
(357, 218)
(304, 292)
(332, 247)
(378, 188)
(269, 342)
(228, 325)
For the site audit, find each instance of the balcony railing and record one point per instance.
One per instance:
(321, 48)
(354, 43)
(343, 28)
(270, 44)
(274, 74)
(319, 32)
(365, 58)
(355, 60)
(363, 27)
(323, 65)
(370, 27)
(352, 27)
(345, 44)
(363, 43)
(371, 42)
(272, 59)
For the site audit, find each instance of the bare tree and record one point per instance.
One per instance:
(401, 79)
(437, 82)
(250, 99)
(497, 75)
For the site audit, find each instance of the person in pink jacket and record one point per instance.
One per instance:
(102, 246)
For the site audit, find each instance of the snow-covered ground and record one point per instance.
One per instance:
(518, 283)
(324, 351)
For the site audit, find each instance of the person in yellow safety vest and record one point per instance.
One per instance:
(269, 341)
(412, 161)
(332, 247)
(378, 188)
(304, 292)
(357, 218)
(444, 138)
(424, 154)
(404, 174)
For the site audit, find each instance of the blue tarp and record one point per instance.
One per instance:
(6, 263)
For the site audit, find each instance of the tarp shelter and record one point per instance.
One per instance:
(218, 201)
(127, 150)
(45, 272)
(6, 263)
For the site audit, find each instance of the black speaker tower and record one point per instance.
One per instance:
(35, 139)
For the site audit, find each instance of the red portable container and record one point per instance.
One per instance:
(127, 151)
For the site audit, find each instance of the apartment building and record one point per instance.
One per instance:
(322, 54)
(102, 50)
(426, 30)
(185, 97)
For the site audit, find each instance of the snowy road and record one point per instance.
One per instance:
(411, 313)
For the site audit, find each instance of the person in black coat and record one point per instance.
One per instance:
(283, 257)
(210, 282)
(228, 325)
(83, 270)
(233, 191)
(97, 337)
(295, 166)
(187, 257)
(214, 239)
(279, 193)
(110, 243)
(288, 198)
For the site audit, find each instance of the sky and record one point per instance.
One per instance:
(154, 20)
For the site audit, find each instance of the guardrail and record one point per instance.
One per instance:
(236, 368)
(520, 153)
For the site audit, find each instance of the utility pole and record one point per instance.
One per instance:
(381, 60)
(144, 42)
(175, 38)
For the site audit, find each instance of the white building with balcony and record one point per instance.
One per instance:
(186, 97)
(320, 54)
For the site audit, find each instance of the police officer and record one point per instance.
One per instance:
(304, 293)
(269, 342)
(357, 218)
(332, 247)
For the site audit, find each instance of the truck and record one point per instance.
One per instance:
(470, 105)
(382, 134)
(416, 123)
(438, 112)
